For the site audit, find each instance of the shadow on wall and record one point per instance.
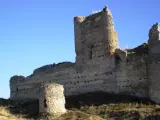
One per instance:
(100, 98)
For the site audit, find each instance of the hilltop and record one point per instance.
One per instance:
(90, 106)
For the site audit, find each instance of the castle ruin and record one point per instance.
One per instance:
(100, 64)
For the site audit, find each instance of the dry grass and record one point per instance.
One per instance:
(78, 115)
(131, 111)
(5, 114)
(97, 106)
(119, 111)
(73, 115)
(115, 107)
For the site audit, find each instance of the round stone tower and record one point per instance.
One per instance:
(110, 35)
(51, 99)
(154, 63)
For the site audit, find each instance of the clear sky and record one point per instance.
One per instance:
(39, 32)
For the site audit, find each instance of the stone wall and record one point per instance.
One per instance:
(154, 63)
(131, 71)
(74, 81)
(14, 84)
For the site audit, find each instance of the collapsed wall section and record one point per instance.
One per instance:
(77, 82)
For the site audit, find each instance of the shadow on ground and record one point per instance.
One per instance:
(99, 100)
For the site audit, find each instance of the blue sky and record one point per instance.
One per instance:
(38, 32)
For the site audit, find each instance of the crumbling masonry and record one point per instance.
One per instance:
(100, 64)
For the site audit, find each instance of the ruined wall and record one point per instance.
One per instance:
(95, 43)
(131, 71)
(100, 65)
(154, 63)
(14, 82)
(73, 80)
(21, 88)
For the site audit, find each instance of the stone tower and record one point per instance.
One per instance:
(94, 37)
(154, 63)
(51, 99)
